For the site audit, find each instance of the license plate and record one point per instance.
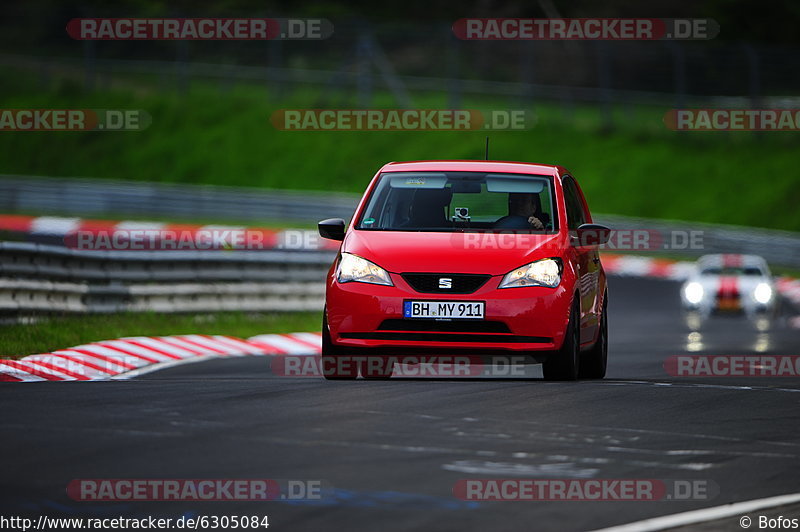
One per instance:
(729, 304)
(469, 310)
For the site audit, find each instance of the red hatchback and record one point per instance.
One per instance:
(480, 258)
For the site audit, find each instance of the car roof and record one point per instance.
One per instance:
(731, 260)
(475, 166)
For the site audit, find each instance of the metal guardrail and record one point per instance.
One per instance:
(29, 296)
(42, 261)
(45, 278)
(98, 197)
(777, 247)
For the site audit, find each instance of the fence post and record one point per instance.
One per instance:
(754, 75)
(452, 55)
(527, 73)
(678, 73)
(604, 80)
(364, 78)
(182, 67)
(89, 65)
(275, 63)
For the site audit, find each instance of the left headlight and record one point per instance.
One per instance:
(545, 272)
(353, 268)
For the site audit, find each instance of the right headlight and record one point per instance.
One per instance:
(545, 272)
(693, 292)
(763, 293)
(353, 268)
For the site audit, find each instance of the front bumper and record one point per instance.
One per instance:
(517, 320)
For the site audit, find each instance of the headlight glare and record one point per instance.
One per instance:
(353, 268)
(545, 272)
(763, 293)
(693, 292)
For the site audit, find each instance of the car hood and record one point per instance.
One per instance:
(412, 251)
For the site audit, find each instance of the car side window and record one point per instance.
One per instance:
(575, 214)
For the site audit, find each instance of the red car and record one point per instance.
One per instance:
(480, 258)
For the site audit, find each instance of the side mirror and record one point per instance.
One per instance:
(591, 235)
(332, 228)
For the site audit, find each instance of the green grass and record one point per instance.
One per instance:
(638, 169)
(59, 332)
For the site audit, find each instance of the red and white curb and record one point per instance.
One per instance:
(124, 358)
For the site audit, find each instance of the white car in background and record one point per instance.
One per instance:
(730, 283)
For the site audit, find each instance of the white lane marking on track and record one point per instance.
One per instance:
(704, 515)
(695, 385)
(602, 429)
(558, 470)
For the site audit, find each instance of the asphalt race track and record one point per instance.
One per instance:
(391, 452)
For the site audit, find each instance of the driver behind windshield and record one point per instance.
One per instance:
(524, 212)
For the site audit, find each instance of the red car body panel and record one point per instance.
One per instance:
(355, 311)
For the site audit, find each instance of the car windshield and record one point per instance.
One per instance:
(460, 202)
(732, 270)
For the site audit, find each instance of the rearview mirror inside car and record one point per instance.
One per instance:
(332, 228)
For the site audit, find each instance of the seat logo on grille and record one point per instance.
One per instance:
(445, 282)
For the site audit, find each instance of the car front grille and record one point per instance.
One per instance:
(461, 283)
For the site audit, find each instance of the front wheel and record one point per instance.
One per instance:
(335, 365)
(595, 361)
(563, 365)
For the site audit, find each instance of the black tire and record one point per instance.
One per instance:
(376, 368)
(595, 361)
(564, 364)
(335, 366)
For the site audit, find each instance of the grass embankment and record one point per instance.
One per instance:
(638, 169)
(59, 332)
